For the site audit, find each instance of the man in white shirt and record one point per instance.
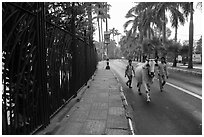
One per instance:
(162, 73)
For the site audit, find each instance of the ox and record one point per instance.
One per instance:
(145, 75)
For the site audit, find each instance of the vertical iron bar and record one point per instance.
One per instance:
(85, 54)
(73, 48)
(42, 64)
(4, 115)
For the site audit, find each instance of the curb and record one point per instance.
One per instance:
(185, 71)
(125, 105)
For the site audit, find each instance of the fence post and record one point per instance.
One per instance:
(42, 64)
(85, 53)
(73, 51)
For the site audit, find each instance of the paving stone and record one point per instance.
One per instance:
(116, 132)
(114, 90)
(115, 97)
(117, 122)
(86, 100)
(89, 95)
(71, 128)
(113, 85)
(79, 115)
(99, 105)
(84, 106)
(96, 91)
(116, 111)
(101, 85)
(115, 103)
(100, 99)
(103, 94)
(93, 127)
(98, 114)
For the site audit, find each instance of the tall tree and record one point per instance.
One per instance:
(101, 10)
(188, 10)
(190, 62)
(113, 31)
(143, 19)
(117, 33)
(147, 15)
(176, 17)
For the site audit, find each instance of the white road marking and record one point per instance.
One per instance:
(186, 91)
(131, 126)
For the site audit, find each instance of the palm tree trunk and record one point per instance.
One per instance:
(142, 48)
(164, 28)
(99, 31)
(107, 28)
(190, 63)
(176, 33)
(175, 54)
(149, 33)
(175, 61)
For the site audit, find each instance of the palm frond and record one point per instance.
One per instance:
(128, 23)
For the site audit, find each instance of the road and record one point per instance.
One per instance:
(172, 112)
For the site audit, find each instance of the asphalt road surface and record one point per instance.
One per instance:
(172, 112)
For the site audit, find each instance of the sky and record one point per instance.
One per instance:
(119, 9)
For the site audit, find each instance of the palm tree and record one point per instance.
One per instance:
(113, 32)
(134, 20)
(117, 34)
(190, 62)
(143, 20)
(98, 12)
(199, 5)
(99, 31)
(175, 18)
(101, 11)
(188, 9)
(159, 9)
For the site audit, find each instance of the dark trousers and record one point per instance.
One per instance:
(129, 82)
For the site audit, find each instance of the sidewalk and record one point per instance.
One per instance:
(100, 111)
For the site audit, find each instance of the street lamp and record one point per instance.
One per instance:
(107, 41)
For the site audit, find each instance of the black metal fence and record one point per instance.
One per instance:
(41, 70)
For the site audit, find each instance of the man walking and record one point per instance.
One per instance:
(162, 73)
(128, 72)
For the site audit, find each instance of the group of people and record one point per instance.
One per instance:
(161, 71)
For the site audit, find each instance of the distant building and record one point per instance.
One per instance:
(197, 58)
